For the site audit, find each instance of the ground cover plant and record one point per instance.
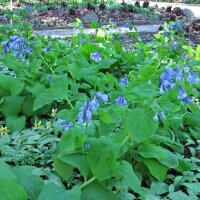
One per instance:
(87, 119)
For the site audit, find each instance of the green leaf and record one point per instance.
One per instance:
(78, 160)
(179, 195)
(162, 155)
(12, 105)
(146, 90)
(52, 192)
(96, 191)
(126, 171)
(158, 170)
(32, 184)
(15, 123)
(71, 141)
(6, 171)
(57, 91)
(10, 190)
(140, 131)
(63, 169)
(195, 187)
(102, 157)
(197, 56)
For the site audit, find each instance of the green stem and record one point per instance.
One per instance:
(126, 139)
(68, 101)
(87, 182)
(50, 68)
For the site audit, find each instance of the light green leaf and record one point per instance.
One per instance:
(140, 124)
(102, 157)
(10, 190)
(164, 156)
(15, 123)
(98, 192)
(53, 192)
(158, 170)
(6, 171)
(126, 171)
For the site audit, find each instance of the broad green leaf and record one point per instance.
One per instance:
(185, 165)
(57, 91)
(15, 123)
(10, 190)
(98, 192)
(164, 156)
(71, 141)
(32, 184)
(146, 90)
(102, 157)
(126, 171)
(12, 105)
(27, 108)
(140, 124)
(63, 169)
(77, 160)
(179, 195)
(158, 170)
(6, 171)
(53, 192)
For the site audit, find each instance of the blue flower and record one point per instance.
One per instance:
(49, 79)
(192, 77)
(62, 124)
(162, 115)
(82, 41)
(186, 69)
(123, 81)
(188, 99)
(28, 8)
(18, 45)
(96, 57)
(182, 93)
(86, 145)
(121, 101)
(167, 80)
(155, 118)
(102, 97)
(174, 45)
(177, 27)
(178, 73)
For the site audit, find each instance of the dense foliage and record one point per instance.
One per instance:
(87, 119)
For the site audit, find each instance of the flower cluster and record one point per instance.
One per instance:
(175, 27)
(169, 77)
(18, 45)
(183, 96)
(121, 101)
(85, 112)
(96, 56)
(62, 124)
(123, 81)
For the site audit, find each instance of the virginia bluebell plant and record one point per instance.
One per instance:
(96, 56)
(192, 77)
(82, 41)
(183, 96)
(18, 45)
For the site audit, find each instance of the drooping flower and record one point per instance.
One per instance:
(192, 77)
(123, 81)
(82, 41)
(174, 45)
(186, 69)
(121, 101)
(155, 118)
(38, 125)
(48, 124)
(178, 73)
(85, 112)
(167, 80)
(162, 115)
(96, 56)
(54, 112)
(126, 25)
(182, 93)
(188, 99)
(62, 124)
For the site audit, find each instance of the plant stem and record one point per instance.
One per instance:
(87, 182)
(126, 139)
(50, 68)
(68, 101)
